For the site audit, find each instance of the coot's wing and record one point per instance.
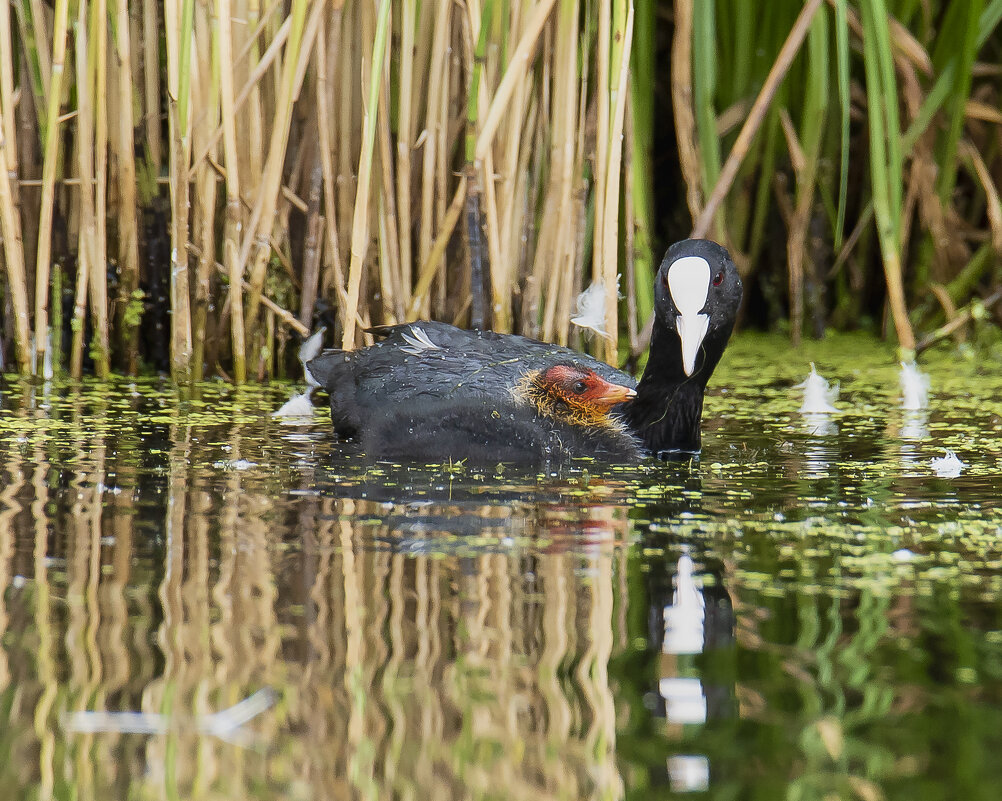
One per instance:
(488, 348)
(399, 374)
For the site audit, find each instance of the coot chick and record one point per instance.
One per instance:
(550, 415)
(697, 294)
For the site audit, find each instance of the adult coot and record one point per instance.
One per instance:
(423, 365)
(556, 413)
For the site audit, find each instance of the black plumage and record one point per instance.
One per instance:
(668, 408)
(428, 368)
(486, 432)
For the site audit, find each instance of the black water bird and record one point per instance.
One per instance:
(427, 366)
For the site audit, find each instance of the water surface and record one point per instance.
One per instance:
(808, 611)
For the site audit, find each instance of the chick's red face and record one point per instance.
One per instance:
(585, 388)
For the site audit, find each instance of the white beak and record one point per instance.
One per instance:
(689, 284)
(692, 330)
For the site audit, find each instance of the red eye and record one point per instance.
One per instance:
(718, 279)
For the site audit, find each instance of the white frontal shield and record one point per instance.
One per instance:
(689, 283)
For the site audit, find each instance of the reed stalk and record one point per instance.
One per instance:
(98, 289)
(128, 308)
(704, 74)
(683, 106)
(10, 221)
(622, 42)
(37, 35)
(360, 222)
(433, 128)
(347, 138)
(49, 167)
(481, 291)
(87, 245)
(842, 69)
(334, 278)
(14, 259)
(498, 274)
(405, 140)
(555, 248)
(442, 174)
(638, 192)
(389, 238)
(509, 184)
(578, 230)
(8, 127)
(206, 97)
(811, 132)
(151, 83)
(234, 209)
(178, 25)
(312, 247)
(262, 216)
(886, 162)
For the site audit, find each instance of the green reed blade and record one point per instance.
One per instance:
(704, 80)
(958, 37)
(944, 85)
(842, 70)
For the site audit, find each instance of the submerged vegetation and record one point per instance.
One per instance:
(499, 159)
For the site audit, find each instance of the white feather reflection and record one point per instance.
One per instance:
(685, 616)
(914, 387)
(689, 773)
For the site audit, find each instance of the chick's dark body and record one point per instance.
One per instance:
(488, 431)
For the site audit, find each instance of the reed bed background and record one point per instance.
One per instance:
(352, 164)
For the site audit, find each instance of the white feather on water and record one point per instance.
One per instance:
(948, 466)
(819, 395)
(298, 406)
(914, 387)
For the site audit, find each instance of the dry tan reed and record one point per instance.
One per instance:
(257, 105)
(405, 113)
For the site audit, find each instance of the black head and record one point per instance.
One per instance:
(696, 297)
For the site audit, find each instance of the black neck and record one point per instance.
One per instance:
(669, 404)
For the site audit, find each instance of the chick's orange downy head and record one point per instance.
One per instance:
(584, 388)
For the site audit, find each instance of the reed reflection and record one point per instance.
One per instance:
(462, 670)
(410, 658)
